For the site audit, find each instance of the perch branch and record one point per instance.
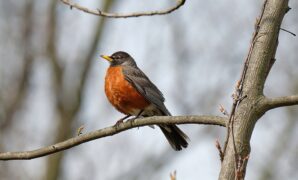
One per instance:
(99, 12)
(109, 131)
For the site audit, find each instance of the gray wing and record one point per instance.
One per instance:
(145, 87)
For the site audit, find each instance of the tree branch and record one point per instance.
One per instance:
(271, 103)
(250, 109)
(99, 12)
(109, 131)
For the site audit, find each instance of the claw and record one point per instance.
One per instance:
(121, 120)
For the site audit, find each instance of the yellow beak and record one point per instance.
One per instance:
(108, 58)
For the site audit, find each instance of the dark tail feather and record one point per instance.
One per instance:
(175, 136)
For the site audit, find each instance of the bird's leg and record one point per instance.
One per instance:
(139, 114)
(127, 116)
(122, 119)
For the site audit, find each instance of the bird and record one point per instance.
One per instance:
(132, 93)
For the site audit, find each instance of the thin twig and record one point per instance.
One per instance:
(221, 155)
(288, 31)
(223, 110)
(109, 131)
(99, 12)
(233, 140)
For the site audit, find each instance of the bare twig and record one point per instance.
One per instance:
(99, 12)
(109, 131)
(236, 99)
(223, 110)
(221, 155)
(288, 31)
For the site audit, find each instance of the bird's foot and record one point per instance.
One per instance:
(120, 121)
(136, 117)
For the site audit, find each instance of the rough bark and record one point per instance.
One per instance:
(251, 109)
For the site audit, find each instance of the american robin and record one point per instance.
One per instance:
(131, 92)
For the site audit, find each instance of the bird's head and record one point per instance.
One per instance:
(120, 58)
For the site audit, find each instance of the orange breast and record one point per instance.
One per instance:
(121, 94)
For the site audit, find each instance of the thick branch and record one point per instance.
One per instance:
(271, 103)
(249, 110)
(109, 131)
(98, 12)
